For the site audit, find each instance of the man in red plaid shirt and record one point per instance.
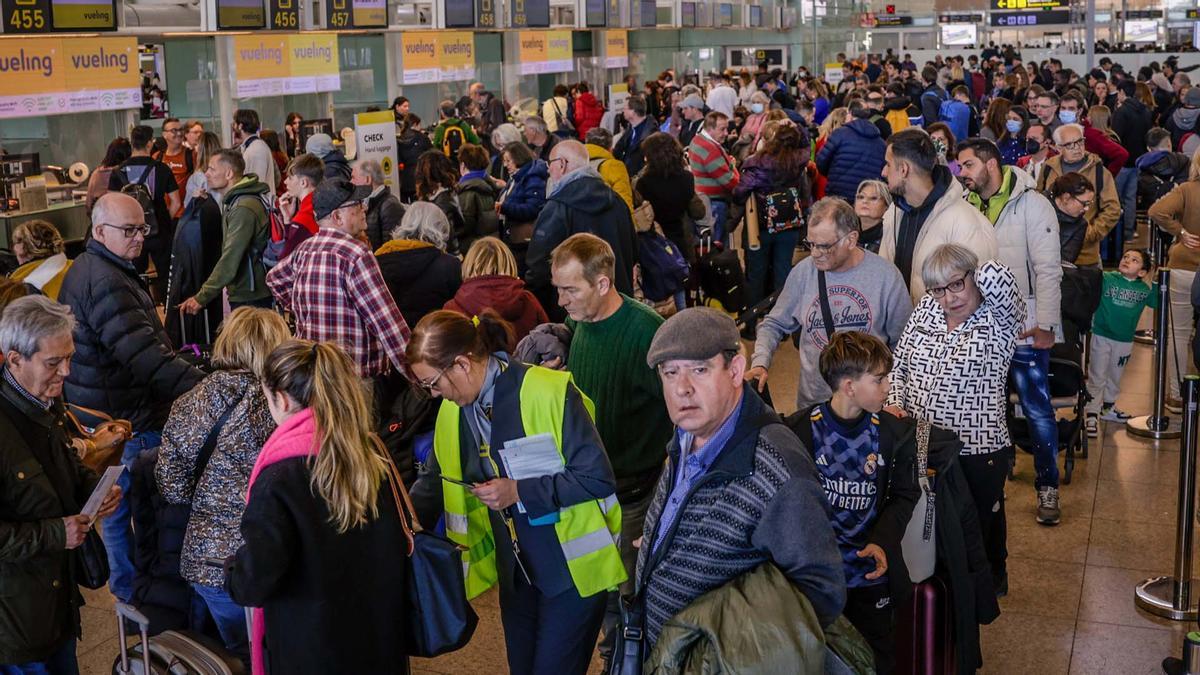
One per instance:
(332, 285)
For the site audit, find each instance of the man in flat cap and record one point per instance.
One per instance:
(739, 489)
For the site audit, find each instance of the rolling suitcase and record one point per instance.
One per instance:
(170, 652)
(925, 631)
(721, 276)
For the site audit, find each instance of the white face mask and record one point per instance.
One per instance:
(756, 108)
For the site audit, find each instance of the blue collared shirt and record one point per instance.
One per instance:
(692, 467)
(12, 382)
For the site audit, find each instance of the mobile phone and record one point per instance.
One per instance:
(463, 483)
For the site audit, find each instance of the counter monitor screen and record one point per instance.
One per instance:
(595, 13)
(755, 16)
(725, 14)
(19, 166)
(688, 9)
(239, 14)
(84, 15)
(460, 13)
(649, 13)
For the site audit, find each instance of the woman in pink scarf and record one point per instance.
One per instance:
(325, 556)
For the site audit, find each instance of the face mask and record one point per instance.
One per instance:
(1067, 116)
(1013, 126)
(756, 108)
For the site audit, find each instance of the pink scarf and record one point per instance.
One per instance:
(296, 437)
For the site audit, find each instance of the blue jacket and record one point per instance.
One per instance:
(853, 153)
(526, 196)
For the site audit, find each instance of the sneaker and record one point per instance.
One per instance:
(1092, 424)
(1174, 405)
(1114, 414)
(1047, 509)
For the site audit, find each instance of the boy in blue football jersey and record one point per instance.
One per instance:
(866, 461)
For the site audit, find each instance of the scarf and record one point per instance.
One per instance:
(287, 442)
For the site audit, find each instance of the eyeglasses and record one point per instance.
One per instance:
(351, 205)
(1085, 204)
(1077, 143)
(822, 249)
(955, 286)
(428, 385)
(557, 159)
(130, 231)
(176, 130)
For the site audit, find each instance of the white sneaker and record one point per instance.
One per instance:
(1114, 414)
(1092, 424)
(1174, 405)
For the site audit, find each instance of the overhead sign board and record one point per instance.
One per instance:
(57, 16)
(278, 64)
(53, 76)
(1052, 17)
(595, 14)
(436, 56)
(284, 14)
(892, 20)
(1140, 14)
(459, 13)
(616, 46)
(241, 14)
(961, 18)
(547, 51)
(1029, 4)
(346, 14)
(529, 13)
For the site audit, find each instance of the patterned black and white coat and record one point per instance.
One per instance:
(957, 379)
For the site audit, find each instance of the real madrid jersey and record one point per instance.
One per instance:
(848, 463)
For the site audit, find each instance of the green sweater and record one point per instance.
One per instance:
(1121, 305)
(608, 361)
(245, 232)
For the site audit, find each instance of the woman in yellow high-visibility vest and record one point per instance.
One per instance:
(549, 535)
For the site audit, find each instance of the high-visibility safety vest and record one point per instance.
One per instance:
(587, 532)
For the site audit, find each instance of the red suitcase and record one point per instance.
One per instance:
(925, 642)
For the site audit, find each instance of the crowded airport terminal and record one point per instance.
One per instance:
(599, 337)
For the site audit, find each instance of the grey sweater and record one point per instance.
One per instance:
(871, 298)
(759, 501)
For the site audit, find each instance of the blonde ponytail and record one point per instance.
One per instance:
(347, 470)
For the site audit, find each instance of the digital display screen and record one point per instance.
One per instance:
(530, 13)
(596, 13)
(50, 16)
(649, 13)
(1141, 30)
(460, 13)
(755, 16)
(688, 10)
(285, 15)
(234, 14)
(958, 34)
(1043, 18)
(356, 14)
(725, 14)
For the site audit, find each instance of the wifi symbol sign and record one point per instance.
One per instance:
(28, 104)
(106, 99)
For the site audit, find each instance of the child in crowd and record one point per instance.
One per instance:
(866, 460)
(1125, 294)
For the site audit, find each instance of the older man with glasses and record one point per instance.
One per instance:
(840, 287)
(1104, 212)
(124, 363)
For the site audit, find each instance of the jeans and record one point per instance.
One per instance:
(1127, 192)
(1030, 369)
(229, 617)
(116, 530)
(776, 253)
(61, 662)
(720, 213)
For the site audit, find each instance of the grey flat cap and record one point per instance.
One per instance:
(693, 101)
(695, 334)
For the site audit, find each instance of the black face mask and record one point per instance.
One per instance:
(1032, 146)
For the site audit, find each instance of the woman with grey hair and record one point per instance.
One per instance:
(871, 201)
(501, 136)
(951, 369)
(419, 273)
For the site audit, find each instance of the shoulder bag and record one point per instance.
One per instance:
(439, 617)
(919, 544)
(826, 312)
(629, 651)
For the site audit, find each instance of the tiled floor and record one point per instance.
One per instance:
(1070, 606)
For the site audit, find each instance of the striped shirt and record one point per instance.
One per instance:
(332, 285)
(712, 167)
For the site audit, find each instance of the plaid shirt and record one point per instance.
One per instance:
(332, 285)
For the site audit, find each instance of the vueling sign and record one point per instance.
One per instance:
(43, 65)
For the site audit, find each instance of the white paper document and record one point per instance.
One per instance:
(92, 507)
(531, 457)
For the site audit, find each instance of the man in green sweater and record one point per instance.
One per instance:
(244, 230)
(612, 333)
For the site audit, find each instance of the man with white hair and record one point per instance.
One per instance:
(384, 209)
(45, 489)
(538, 137)
(124, 363)
(1104, 211)
(578, 200)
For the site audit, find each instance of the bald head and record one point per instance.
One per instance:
(117, 208)
(119, 224)
(574, 152)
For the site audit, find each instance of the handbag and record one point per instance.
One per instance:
(439, 617)
(629, 651)
(784, 210)
(919, 545)
(99, 440)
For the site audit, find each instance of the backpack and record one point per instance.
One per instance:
(143, 191)
(277, 229)
(957, 116)
(782, 210)
(565, 128)
(1189, 143)
(937, 97)
(453, 138)
(664, 269)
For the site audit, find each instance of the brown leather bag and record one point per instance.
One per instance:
(99, 446)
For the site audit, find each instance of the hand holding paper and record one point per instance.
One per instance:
(104, 499)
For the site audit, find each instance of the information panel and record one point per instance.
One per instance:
(53, 76)
(1051, 17)
(595, 13)
(459, 13)
(375, 138)
(1029, 4)
(241, 14)
(530, 14)
(341, 14)
(50, 16)
(280, 64)
(285, 15)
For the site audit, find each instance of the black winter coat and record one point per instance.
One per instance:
(159, 591)
(336, 165)
(1130, 121)
(41, 481)
(585, 204)
(348, 589)
(194, 253)
(421, 278)
(409, 147)
(384, 212)
(124, 364)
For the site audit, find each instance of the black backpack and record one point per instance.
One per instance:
(143, 191)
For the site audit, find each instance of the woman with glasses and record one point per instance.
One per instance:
(951, 369)
(871, 201)
(1072, 195)
(546, 533)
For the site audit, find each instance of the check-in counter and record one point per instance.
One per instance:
(70, 218)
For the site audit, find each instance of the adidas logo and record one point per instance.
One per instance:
(821, 461)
